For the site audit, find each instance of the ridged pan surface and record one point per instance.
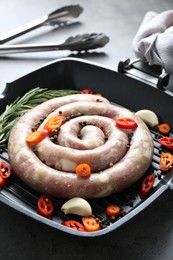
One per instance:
(122, 90)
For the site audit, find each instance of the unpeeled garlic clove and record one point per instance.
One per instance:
(78, 206)
(148, 117)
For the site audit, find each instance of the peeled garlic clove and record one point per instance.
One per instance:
(149, 117)
(78, 206)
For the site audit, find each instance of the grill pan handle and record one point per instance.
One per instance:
(139, 68)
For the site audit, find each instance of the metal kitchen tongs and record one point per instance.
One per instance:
(59, 17)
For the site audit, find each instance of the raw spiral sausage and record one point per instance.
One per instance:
(118, 158)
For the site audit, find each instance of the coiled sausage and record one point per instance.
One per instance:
(117, 157)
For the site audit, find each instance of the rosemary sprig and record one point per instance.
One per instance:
(21, 105)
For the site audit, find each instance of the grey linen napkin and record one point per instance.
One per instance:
(154, 40)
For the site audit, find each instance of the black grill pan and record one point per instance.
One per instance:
(120, 88)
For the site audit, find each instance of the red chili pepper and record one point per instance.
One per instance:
(167, 142)
(87, 91)
(126, 123)
(74, 225)
(5, 170)
(45, 207)
(147, 185)
(91, 223)
(54, 122)
(83, 170)
(164, 128)
(113, 210)
(166, 161)
(3, 181)
(37, 136)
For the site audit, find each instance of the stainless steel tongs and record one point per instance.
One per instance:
(77, 43)
(58, 17)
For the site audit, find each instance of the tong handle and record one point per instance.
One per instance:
(22, 30)
(59, 16)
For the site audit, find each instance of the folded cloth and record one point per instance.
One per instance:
(154, 40)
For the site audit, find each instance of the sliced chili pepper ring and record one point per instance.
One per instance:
(45, 206)
(87, 91)
(164, 128)
(126, 123)
(147, 185)
(5, 170)
(166, 142)
(36, 136)
(166, 161)
(54, 123)
(91, 223)
(112, 210)
(74, 225)
(83, 170)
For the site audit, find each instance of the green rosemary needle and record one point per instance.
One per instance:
(21, 105)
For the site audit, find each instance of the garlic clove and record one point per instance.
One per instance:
(78, 206)
(148, 117)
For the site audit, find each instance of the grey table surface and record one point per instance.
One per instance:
(150, 234)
